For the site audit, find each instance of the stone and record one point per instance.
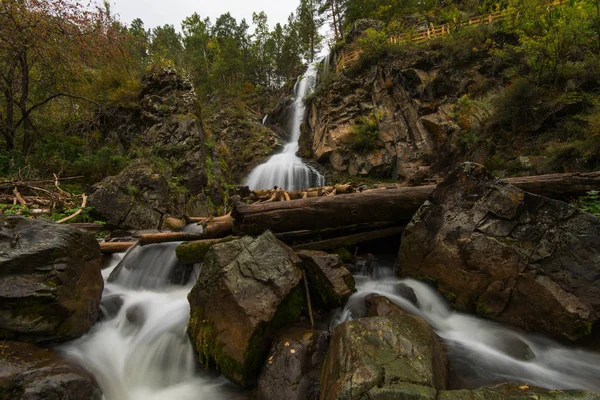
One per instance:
(391, 357)
(28, 372)
(506, 254)
(246, 289)
(293, 368)
(381, 306)
(50, 280)
(136, 199)
(329, 281)
(174, 224)
(515, 391)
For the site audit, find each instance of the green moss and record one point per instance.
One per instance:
(344, 254)
(195, 252)
(582, 328)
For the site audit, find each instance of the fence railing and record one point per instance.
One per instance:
(351, 56)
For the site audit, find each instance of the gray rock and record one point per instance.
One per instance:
(50, 280)
(245, 289)
(507, 254)
(28, 372)
(514, 391)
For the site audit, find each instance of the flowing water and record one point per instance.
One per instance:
(286, 170)
(140, 349)
(482, 352)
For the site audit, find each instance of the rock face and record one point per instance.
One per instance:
(389, 357)
(169, 130)
(381, 306)
(28, 372)
(513, 391)
(509, 255)
(411, 132)
(330, 282)
(293, 368)
(50, 280)
(245, 289)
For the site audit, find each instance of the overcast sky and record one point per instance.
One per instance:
(160, 12)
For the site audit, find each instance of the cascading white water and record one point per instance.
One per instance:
(286, 170)
(140, 350)
(483, 352)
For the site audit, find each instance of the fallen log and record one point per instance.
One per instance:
(216, 228)
(351, 240)
(301, 237)
(397, 205)
(115, 247)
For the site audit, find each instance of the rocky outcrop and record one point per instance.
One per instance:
(28, 372)
(137, 198)
(246, 288)
(411, 132)
(50, 280)
(330, 282)
(389, 357)
(381, 306)
(513, 391)
(506, 254)
(293, 368)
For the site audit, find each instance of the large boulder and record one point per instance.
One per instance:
(392, 357)
(50, 280)
(507, 254)
(514, 391)
(28, 372)
(246, 288)
(293, 368)
(330, 282)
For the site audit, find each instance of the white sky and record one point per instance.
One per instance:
(160, 12)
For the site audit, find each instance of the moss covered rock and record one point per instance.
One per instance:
(389, 357)
(196, 250)
(50, 280)
(246, 288)
(330, 282)
(513, 391)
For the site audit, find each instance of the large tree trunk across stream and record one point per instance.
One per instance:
(397, 205)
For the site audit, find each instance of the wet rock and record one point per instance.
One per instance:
(330, 282)
(514, 391)
(50, 280)
(381, 306)
(506, 254)
(174, 224)
(28, 372)
(110, 305)
(293, 368)
(196, 250)
(388, 357)
(246, 288)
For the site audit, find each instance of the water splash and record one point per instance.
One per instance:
(140, 349)
(286, 170)
(482, 352)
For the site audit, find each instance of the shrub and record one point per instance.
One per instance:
(589, 203)
(365, 131)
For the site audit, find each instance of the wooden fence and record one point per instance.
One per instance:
(351, 56)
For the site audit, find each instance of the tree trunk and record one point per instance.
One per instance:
(350, 240)
(218, 227)
(397, 205)
(333, 14)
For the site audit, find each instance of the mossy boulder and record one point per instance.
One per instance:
(28, 372)
(50, 280)
(293, 368)
(390, 357)
(514, 391)
(330, 282)
(506, 254)
(196, 250)
(246, 288)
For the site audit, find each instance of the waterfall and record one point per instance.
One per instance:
(481, 352)
(140, 349)
(286, 170)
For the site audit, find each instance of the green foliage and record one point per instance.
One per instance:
(589, 202)
(364, 132)
(16, 209)
(520, 105)
(86, 215)
(373, 43)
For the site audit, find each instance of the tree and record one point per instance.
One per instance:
(165, 43)
(46, 48)
(308, 24)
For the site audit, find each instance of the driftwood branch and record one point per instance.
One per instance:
(115, 247)
(76, 213)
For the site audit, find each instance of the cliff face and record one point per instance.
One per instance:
(411, 132)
